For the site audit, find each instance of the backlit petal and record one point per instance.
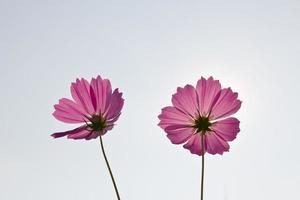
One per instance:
(68, 111)
(74, 131)
(194, 144)
(227, 128)
(215, 144)
(172, 116)
(207, 91)
(225, 104)
(179, 134)
(115, 105)
(81, 94)
(185, 99)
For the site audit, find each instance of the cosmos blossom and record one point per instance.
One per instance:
(200, 118)
(94, 105)
(202, 110)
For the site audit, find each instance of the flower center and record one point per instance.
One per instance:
(98, 123)
(202, 124)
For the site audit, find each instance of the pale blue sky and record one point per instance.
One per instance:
(147, 49)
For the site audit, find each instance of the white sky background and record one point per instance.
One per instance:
(147, 49)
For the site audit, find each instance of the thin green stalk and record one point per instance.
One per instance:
(202, 171)
(110, 172)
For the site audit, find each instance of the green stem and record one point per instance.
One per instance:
(110, 172)
(202, 171)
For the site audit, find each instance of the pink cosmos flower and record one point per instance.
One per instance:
(94, 105)
(202, 111)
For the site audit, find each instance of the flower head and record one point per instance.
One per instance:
(94, 105)
(202, 111)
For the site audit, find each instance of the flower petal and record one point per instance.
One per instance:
(179, 134)
(81, 94)
(96, 92)
(93, 135)
(171, 116)
(101, 94)
(115, 105)
(227, 128)
(207, 91)
(68, 111)
(225, 104)
(185, 99)
(80, 135)
(74, 131)
(194, 144)
(215, 144)
(106, 95)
